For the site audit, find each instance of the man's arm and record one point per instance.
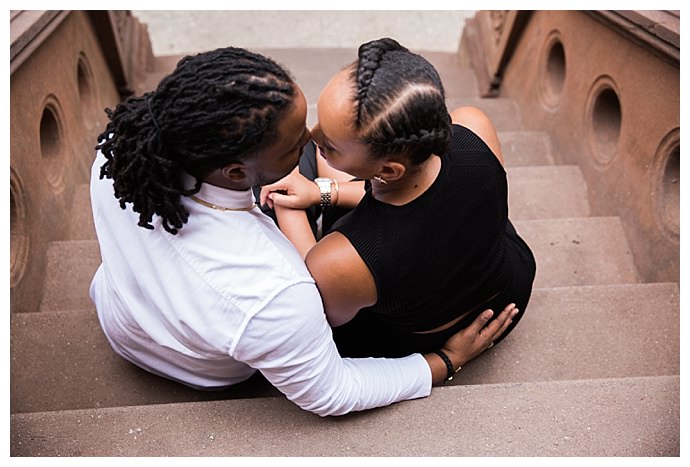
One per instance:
(290, 342)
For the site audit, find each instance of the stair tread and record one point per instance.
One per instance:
(81, 225)
(503, 111)
(62, 360)
(459, 81)
(547, 192)
(526, 148)
(579, 251)
(586, 332)
(556, 418)
(70, 266)
(569, 251)
(535, 192)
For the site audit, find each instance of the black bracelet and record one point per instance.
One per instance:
(449, 364)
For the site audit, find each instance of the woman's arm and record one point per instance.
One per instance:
(298, 192)
(344, 280)
(295, 226)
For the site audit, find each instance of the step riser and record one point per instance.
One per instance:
(560, 359)
(582, 251)
(61, 360)
(525, 148)
(586, 333)
(546, 193)
(502, 112)
(570, 418)
(539, 192)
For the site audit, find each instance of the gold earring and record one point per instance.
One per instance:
(380, 180)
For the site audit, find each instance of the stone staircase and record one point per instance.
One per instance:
(592, 370)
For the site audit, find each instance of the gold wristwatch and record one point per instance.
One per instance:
(325, 187)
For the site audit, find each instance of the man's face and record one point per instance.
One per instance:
(277, 160)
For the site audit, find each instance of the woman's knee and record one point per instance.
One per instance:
(477, 121)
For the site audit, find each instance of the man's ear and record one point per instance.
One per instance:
(234, 172)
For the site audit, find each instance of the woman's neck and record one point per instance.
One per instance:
(410, 186)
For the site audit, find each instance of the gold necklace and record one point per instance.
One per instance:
(221, 208)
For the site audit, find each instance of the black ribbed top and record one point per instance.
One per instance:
(443, 253)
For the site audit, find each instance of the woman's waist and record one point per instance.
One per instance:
(444, 308)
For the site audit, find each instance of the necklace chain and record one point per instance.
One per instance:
(221, 208)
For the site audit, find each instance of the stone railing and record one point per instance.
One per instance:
(606, 86)
(66, 67)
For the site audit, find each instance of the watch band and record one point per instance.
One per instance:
(325, 187)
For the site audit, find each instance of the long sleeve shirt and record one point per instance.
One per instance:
(225, 297)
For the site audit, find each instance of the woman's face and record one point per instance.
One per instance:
(334, 133)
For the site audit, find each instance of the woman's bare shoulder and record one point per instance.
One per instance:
(344, 280)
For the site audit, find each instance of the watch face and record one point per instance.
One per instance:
(323, 182)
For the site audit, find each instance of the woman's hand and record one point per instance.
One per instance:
(293, 191)
(471, 341)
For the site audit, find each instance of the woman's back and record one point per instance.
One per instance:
(432, 258)
(451, 251)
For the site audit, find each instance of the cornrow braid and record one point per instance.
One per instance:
(216, 108)
(400, 102)
(370, 56)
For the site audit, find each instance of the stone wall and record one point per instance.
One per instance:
(66, 68)
(606, 87)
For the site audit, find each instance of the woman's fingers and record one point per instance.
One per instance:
(268, 189)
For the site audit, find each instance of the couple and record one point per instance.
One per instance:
(198, 285)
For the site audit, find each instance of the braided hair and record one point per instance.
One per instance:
(400, 102)
(215, 108)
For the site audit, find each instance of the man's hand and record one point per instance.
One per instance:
(471, 341)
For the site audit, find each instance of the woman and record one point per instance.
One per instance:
(430, 244)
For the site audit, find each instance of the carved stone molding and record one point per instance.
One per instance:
(491, 37)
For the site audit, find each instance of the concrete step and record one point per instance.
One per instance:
(70, 266)
(61, 360)
(459, 81)
(534, 193)
(81, 225)
(571, 251)
(579, 251)
(503, 111)
(587, 332)
(547, 192)
(601, 417)
(526, 148)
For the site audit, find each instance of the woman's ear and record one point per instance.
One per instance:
(391, 171)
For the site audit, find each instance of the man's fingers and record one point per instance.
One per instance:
(500, 324)
(506, 323)
(481, 320)
(492, 330)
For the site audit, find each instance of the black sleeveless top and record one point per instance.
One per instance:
(448, 251)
